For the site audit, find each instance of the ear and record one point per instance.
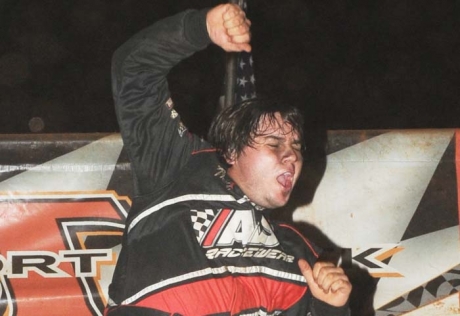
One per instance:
(230, 158)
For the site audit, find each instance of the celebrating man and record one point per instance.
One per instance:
(197, 241)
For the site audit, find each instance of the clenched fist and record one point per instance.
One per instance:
(229, 28)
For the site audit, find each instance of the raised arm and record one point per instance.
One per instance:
(156, 140)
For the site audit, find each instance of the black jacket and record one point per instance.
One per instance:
(194, 244)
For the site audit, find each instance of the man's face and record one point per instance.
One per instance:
(268, 170)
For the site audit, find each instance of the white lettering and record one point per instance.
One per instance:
(249, 253)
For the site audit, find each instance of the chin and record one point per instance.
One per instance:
(279, 203)
(272, 202)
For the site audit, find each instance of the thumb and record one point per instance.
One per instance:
(306, 270)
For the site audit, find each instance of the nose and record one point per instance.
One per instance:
(291, 154)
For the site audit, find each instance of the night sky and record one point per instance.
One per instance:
(349, 64)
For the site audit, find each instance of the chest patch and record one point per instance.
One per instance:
(226, 227)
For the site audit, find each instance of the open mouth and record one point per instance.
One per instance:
(286, 180)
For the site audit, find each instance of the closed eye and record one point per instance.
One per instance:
(297, 146)
(273, 141)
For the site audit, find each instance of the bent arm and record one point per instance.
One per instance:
(156, 140)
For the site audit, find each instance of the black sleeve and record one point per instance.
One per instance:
(158, 144)
(319, 308)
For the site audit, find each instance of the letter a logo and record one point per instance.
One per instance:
(226, 227)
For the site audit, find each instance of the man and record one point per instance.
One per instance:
(196, 239)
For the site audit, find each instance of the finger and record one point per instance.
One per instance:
(306, 271)
(321, 267)
(241, 39)
(238, 30)
(245, 47)
(341, 284)
(238, 47)
(229, 46)
(327, 274)
(328, 281)
(236, 22)
(231, 12)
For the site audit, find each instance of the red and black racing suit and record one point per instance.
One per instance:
(194, 244)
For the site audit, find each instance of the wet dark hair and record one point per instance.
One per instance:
(236, 127)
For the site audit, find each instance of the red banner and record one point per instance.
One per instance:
(389, 200)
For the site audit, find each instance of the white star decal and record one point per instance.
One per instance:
(242, 81)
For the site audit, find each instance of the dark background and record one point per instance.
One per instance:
(351, 64)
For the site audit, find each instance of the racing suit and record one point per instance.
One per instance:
(194, 244)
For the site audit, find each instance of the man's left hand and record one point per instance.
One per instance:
(327, 282)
